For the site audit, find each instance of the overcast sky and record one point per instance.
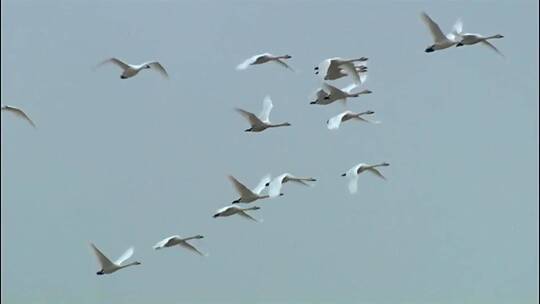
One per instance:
(128, 162)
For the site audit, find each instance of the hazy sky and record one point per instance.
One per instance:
(129, 162)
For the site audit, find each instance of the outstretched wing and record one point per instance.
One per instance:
(191, 247)
(434, 28)
(245, 215)
(376, 172)
(282, 63)
(334, 122)
(116, 61)
(262, 184)
(102, 259)
(274, 189)
(240, 188)
(253, 120)
(18, 112)
(156, 65)
(353, 183)
(244, 65)
(350, 69)
(267, 107)
(124, 256)
(485, 42)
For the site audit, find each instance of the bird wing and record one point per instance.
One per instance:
(335, 122)
(350, 69)
(253, 120)
(282, 63)
(240, 188)
(330, 89)
(353, 183)
(434, 28)
(262, 184)
(191, 247)
(485, 42)
(126, 255)
(156, 65)
(18, 112)
(116, 61)
(103, 260)
(458, 28)
(267, 107)
(245, 215)
(376, 172)
(162, 243)
(349, 88)
(244, 65)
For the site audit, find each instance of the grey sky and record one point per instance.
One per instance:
(129, 162)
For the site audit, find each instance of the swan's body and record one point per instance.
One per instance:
(262, 122)
(130, 70)
(331, 67)
(18, 112)
(107, 266)
(329, 94)
(440, 40)
(232, 209)
(247, 195)
(274, 187)
(334, 122)
(264, 58)
(353, 173)
(176, 240)
(470, 39)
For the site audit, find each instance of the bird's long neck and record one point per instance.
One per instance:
(380, 165)
(191, 238)
(359, 93)
(279, 125)
(491, 37)
(251, 208)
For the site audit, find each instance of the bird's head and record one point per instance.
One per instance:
(136, 263)
(255, 208)
(286, 124)
(147, 66)
(369, 112)
(199, 237)
(366, 91)
(498, 36)
(287, 56)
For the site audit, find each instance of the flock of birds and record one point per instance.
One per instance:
(330, 69)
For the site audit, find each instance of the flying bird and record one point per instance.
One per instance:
(353, 173)
(334, 122)
(107, 266)
(262, 122)
(176, 240)
(17, 112)
(130, 70)
(247, 195)
(274, 187)
(331, 67)
(441, 41)
(470, 38)
(264, 58)
(329, 94)
(231, 210)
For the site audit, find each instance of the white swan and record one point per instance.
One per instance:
(274, 187)
(109, 267)
(333, 66)
(353, 173)
(247, 195)
(440, 40)
(334, 122)
(261, 123)
(329, 94)
(264, 58)
(17, 112)
(130, 70)
(471, 38)
(176, 240)
(232, 209)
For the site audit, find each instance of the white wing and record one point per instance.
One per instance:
(156, 65)
(18, 112)
(162, 243)
(274, 189)
(240, 188)
(376, 172)
(363, 76)
(353, 183)
(267, 107)
(191, 247)
(485, 42)
(282, 63)
(349, 88)
(434, 28)
(253, 120)
(116, 61)
(458, 27)
(262, 184)
(350, 69)
(334, 122)
(329, 89)
(244, 65)
(103, 260)
(245, 215)
(124, 256)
